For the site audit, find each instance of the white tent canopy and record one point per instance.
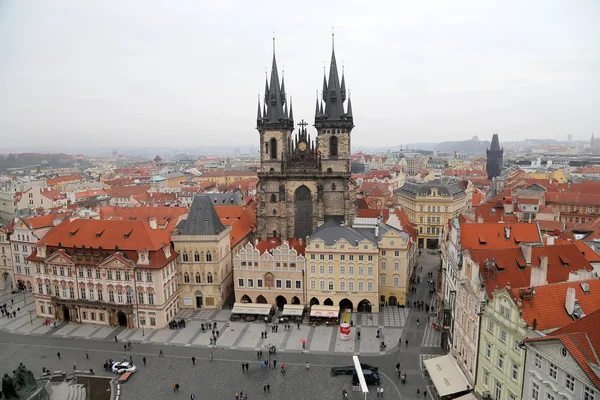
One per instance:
(324, 311)
(446, 375)
(251, 308)
(294, 310)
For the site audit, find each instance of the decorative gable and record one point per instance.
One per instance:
(41, 250)
(167, 250)
(144, 257)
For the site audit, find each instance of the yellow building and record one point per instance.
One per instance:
(205, 269)
(429, 205)
(345, 265)
(558, 175)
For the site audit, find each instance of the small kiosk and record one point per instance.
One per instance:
(292, 313)
(327, 315)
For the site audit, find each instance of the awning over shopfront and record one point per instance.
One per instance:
(324, 311)
(294, 310)
(468, 396)
(446, 375)
(251, 308)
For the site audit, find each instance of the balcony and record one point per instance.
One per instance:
(90, 303)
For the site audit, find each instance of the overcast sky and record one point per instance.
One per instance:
(176, 73)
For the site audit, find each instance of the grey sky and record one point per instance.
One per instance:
(176, 73)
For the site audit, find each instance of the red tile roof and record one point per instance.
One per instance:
(166, 217)
(241, 219)
(43, 221)
(272, 243)
(591, 229)
(493, 212)
(155, 198)
(511, 268)
(62, 179)
(492, 235)
(549, 226)
(592, 199)
(587, 251)
(373, 213)
(126, 191)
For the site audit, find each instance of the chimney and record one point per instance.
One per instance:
(539, 275)
(153, 223)
(570, 301)
(256, 242)
(377, 229)
(507, 232)
(480, 219)
(550, 241)
(526, 250)
(300, 241)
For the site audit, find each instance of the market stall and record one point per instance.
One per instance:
(446, 376)
(250, 311)
(327, 315)
(292, 313)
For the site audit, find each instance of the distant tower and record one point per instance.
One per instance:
(494, 158)
(595, 146)
(569, 138)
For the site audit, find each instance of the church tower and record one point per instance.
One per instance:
(302, 181)
(494, 158)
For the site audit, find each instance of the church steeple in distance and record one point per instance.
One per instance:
(494, 158)
(275, 113)
(334, 96)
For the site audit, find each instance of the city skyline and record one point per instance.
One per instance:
(415, 74)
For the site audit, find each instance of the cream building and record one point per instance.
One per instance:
(270, 272)
(429, 205)
(205, 262)
(107, 273)
(36, 197)
(6, 267)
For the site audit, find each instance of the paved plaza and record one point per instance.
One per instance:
(25, 338)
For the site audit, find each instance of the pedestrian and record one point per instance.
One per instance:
(424, 394)
(14, 314)
(174, 387)
(193, 360)
(217, 332)
(262, 335)
(274, 364)
(237, 396)
(58, 355)
(276, 328)
(265, 388)
(116, 340)
(12, 301)
(298, 325)
(247, 365)
(129, 345)
(124, 347)
(377, 392)
(74, 366)
(243, 366)
(144, 360)
(417, 321)
(418, 392)
(406, 342)
(160, 353)
(397, 366)
(193, 396)
(268, 388)
(246, 396)
(131, 360)
(307, 366)
(87, 355)
(124, 358)
(262, 365)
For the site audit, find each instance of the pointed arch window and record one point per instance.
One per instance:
(186, 278)
(208, 256)
(196, 256)
(333, 146)
(184, 256)
(273, 148)
(273, 198)
(198, 280)
(209, 278)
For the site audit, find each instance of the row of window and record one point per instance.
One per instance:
(341, 285)
(569, 382)
(351, 269)
(278, 283)
(582, 209)
(96, 295)
(96, 316)
(433, 209)
(23, 247)
(430, 231)
(94, 273)
(430, 220)
(197, 256)
(198, 278)
(361, 257)
(22, 237)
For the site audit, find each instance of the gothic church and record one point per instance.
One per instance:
(303, 181)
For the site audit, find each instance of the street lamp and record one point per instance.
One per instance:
(24, 299)
(31, 317)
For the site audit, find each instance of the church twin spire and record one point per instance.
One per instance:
(275, 110)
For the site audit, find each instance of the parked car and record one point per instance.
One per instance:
(122, 367)
(349, 370)
(371, 378)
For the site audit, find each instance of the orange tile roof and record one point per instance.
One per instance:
(126, 191)
(168, 216)
(590, 228)
(511, 268)
(549, 226)
(241, 219)
(373, 213)
(492, 235)
(155, 197)
(592, 199)
(90, 193)
(43, 221)
(525, 200)
(587, 251)
(61, 179)
(477, 198)
(271, 243)
(493, 212)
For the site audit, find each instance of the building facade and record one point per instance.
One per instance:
(205, 262)
(6, 267)
(37, 197)
(270, 272)
(107, 273)
(494, 158)
(303, 181)
(430, 205)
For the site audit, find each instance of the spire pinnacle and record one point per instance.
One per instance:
(332, 38)
(258, 114)
(317, 106)
(273, 43)
(291, 117)
(349, 109)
